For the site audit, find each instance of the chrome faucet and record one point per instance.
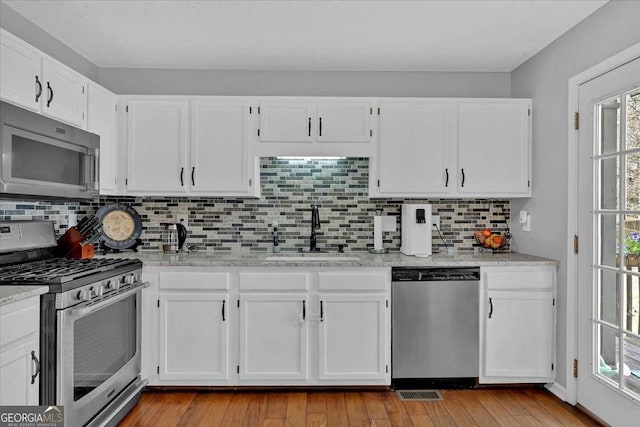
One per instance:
(315, 224)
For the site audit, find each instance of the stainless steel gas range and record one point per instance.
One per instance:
(89, 324)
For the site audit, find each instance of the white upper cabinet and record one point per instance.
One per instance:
(494, 148)
(102, 120)
(64, 93)
(287, 121)
(157, 135)
(314, 127)
(220, 161)
(33, 80)
(344, 121)
(183, 146)
(413, 150)
(452, 148)
(20, 78)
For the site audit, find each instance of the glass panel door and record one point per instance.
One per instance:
(607, 365)
(616, 216)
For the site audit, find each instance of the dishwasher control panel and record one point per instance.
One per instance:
(434, 274)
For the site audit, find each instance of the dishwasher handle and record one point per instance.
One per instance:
(490, 307)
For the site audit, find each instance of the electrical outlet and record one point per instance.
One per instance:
(183, 219)
(435, 221)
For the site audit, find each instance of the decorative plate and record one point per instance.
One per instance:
(121, 225)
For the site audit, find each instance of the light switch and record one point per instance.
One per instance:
(526, 226)
(523, 217)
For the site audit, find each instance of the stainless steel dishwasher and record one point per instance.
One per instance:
(434, 327)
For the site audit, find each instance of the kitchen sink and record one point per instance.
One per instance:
(312, 258)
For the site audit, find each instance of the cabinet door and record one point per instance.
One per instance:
(352, 337)
(194, 336)
(156, 141)
(16, 369)
(102, 120)
(219, 148)
(413, 153)
(20, 78)
(343, 121)
(273, 337)
(64, 95)
(518, 334)
(287, 121)
(494, 148)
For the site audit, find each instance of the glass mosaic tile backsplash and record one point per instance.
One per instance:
(289, 188)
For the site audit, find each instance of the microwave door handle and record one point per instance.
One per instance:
(93, 170)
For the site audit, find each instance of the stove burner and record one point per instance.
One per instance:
(57, 270)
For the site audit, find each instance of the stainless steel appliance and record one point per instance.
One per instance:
(416, 229)
(174, 236)
(43, 157)
(89, 320)
(435, 326)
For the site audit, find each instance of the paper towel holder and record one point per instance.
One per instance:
(378, 231)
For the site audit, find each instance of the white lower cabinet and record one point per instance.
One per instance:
(266, 326)
(273, 337)
(517, 321)
(19, 352)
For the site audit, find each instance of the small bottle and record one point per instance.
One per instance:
(276, 240)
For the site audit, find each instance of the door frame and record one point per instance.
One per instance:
(570, 393)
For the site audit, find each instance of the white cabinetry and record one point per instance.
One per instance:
(157, 136)
(273, 326)
(354, 325)
(219, 148)
(20, 77)
(194, 331)
(33, 80)
(453, 148)
(267, 326)
(494, 148)
(184, 146)
(314, 126)
(413, 150)
(19, 352)
(517, 322)
(102, 120)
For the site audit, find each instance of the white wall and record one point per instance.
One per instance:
(544, 78)
(300, 83)
(18, 25)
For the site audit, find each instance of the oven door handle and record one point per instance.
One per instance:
(83, 311)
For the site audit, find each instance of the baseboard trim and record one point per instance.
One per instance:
(559, 391)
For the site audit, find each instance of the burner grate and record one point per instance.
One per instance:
(57, 270)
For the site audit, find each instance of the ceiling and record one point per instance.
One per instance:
(477, 35)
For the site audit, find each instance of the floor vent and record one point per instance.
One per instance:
(419, 395)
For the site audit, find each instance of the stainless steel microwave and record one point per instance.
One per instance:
(44, 157)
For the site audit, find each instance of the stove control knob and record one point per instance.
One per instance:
(85, 295)
(114, 284)
(99, 290)
(130, 280)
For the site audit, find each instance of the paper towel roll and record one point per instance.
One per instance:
(377, 233)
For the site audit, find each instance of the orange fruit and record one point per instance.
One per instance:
(486, 232)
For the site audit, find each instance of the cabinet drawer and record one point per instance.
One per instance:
(19, 319)
(273, 281)
(194, 280)
(511, 278)
(356, 281)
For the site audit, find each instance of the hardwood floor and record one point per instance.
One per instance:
(494, 407)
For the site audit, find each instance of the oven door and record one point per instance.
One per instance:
(39, 165)
(99, 353)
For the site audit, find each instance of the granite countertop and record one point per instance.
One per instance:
(352, 259)
(10, 294)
